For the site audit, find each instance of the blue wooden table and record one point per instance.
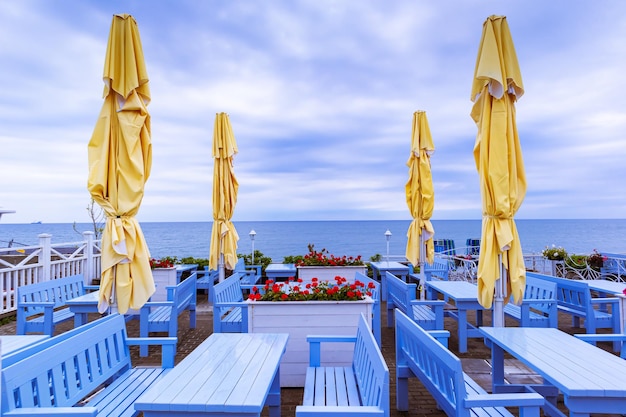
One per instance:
(180, 269)
(83, 305)
(605, 287)
(9, 344)
(465, 297)
(227, 374)
(276, 270)
(379, 269)
(590, 379)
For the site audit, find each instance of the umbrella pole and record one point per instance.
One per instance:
(422, 263)
(498, 306)
(220, 267)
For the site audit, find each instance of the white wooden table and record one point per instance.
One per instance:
(590, 379)
(227, 374)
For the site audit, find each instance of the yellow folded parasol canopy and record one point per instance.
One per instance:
(420, 194)
(120, 159)
(224, 236)
(498, 156)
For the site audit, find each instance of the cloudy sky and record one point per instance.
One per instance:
(320, 96)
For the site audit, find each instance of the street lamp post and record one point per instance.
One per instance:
(252, 235)
(387, 236)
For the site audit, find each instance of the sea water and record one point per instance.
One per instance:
(278, 239)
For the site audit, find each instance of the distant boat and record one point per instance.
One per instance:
(37, 222)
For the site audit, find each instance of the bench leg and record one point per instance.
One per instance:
(402, 388)
(192, 318)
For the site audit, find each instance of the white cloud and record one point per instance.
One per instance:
(320, 96)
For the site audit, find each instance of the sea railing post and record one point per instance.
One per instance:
(45, 241)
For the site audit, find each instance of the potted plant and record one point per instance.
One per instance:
(324, 266)
(308, 308)
(555, 254)
(596, 260)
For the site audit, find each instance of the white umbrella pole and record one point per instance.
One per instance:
(220, 266)
(498, 305)
(422, 263)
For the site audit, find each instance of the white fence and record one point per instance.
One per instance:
(45, 261)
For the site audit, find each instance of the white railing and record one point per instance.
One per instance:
(45, 261)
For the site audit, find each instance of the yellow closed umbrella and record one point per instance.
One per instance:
(498, 155)
(224, 236)
(120, 159)
(420, 195)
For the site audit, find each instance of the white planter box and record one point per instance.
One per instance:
(328, 273)
(163, 277)
(301, 319)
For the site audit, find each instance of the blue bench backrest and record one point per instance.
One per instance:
(438, 369)
(374, 288)
(57, 291)
(400, 293)
(569, 293)
(63, 373)
(183, 294)
(370, 368)
(229, 290)
(248, 275)
(439, 268)
(540, 289)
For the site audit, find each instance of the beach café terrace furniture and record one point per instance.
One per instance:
(591, 380)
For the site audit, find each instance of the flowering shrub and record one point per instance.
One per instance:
(323, 258)
(596, 260)
(294, 290)
(554, 253)
(161, 263)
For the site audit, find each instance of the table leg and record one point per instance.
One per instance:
(497, 366)
(273, 397)
(80, 319)
(383, 283)
(462, 323)
(479, 318)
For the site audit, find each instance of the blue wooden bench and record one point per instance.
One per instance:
(361, 389)
(574, 298)
(437, 270)
(373, 287)
(206, 280)
(41, 306)
(250, 274)
(403, 296)
(162, 316)
(230, 311)
(419, 355)
(539, 305)
(68, 375)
